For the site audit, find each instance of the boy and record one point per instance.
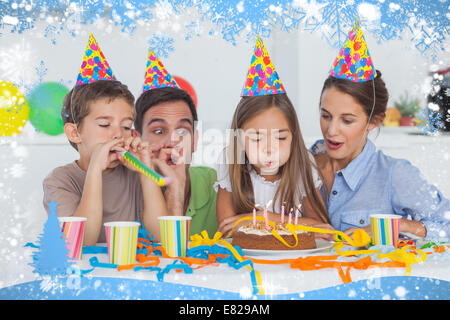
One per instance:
(100, 185)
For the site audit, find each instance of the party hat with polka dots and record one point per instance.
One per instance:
(262, 78)
(156, 75)
(354, 62)
(94, 66)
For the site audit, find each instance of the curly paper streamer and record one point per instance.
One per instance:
(312, 263)
(31, 245)
(431, 244)
(95, 263)
(95, 249)
(154, 261)
(407, 258)
(203, 239)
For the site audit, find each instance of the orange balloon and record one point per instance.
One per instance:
(186, 86)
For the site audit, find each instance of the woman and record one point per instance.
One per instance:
(360, 181)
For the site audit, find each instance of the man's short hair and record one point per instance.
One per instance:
(76, 103)
(157, 96)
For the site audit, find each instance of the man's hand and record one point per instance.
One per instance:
(168, 164)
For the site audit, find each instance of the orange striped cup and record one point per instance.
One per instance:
(121, 239)
(385, 228)
(73, 230)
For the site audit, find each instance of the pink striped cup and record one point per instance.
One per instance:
(73, 230)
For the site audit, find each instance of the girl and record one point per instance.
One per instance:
(359, 180)
(267, 160)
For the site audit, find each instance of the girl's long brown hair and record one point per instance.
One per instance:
(298, 166)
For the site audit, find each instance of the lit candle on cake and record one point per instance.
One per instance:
(265, 214)
(282, 212)
(290, 215)
(297, 213)
(254, 213)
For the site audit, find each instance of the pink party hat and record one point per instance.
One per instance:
(94, 66)
(262, 78)
(156, 75)
(354, 62)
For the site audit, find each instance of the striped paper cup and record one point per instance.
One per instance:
(73, 230)
(121, 239)
(385, 228)
(174, 234)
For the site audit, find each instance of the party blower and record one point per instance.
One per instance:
(142, 168)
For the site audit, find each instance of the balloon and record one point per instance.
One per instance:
(13, 109)
(186, 86)
(45, 103)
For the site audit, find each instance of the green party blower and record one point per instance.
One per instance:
(146, 171)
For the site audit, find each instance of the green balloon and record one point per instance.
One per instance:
(45, 103)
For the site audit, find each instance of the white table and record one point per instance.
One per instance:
(282, 281)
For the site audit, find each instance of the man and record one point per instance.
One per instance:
(166, 118)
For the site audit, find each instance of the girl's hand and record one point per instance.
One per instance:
(226, 225)
(324, 236)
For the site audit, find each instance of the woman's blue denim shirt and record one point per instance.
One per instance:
(376, 183)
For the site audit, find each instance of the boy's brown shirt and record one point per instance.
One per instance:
(121, 193)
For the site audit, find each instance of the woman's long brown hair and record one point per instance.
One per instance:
(298, 166)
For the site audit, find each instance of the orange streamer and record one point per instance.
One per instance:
(311, 263)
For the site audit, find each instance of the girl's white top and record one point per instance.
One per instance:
(263, 190)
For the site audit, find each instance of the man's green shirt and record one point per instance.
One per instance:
(202, 203)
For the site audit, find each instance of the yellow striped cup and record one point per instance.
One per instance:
(385, 228)
(121, 239)
(174, 234)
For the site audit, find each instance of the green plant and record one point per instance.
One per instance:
(407, 105)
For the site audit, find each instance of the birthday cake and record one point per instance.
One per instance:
(258, 237)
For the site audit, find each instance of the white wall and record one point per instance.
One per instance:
(215, 67)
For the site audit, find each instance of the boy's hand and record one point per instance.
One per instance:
(141, 150)
(104, 154)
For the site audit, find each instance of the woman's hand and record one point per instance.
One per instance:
(367, 229)
(414, 227)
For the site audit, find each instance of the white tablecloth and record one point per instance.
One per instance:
(281, 279)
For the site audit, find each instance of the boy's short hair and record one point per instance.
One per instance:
(76, 103)
(156, 96)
